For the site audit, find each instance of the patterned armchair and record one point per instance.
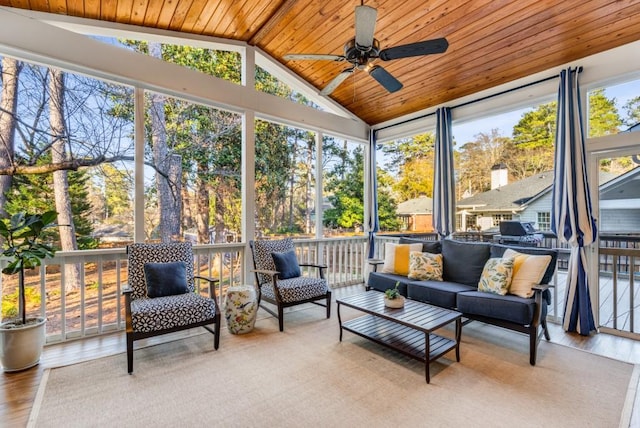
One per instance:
(161, 296)
(280, 281)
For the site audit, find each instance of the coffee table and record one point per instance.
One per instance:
(408, 330)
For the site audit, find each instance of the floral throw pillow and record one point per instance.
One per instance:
(496, 276)
(425, 266)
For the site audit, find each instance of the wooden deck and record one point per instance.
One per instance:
(18, 390)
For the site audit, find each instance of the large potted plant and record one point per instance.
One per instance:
(22, 338)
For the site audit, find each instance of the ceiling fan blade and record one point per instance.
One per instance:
(426, 47)
(385, 78)
(365, 25)
(337, 81)
(313, 57)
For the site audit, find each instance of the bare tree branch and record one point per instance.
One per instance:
(70, 165)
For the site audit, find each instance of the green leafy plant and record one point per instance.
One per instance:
(22, 234)
(392, 293)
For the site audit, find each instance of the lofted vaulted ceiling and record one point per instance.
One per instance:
(491, 42)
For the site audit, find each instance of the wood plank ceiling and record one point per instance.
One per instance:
(491, 42)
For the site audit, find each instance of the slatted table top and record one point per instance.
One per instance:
(414, 314)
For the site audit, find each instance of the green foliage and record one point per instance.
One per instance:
(536, 128)
(346, 184)
(33, 193)
(392, 293)
(632, 110)
(603, 115)
(22, 245)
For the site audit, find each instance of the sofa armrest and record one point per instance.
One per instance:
(538, 291)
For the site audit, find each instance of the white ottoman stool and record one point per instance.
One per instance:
(240, 308)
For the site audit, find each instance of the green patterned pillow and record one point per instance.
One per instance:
(425, 266)
(496, 276)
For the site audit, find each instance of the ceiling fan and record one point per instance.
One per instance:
(364, 49)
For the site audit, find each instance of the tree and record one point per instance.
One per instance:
(632, 109)
(347, 195)
(414, 158)
(10, 73)
(476, 159)
(603, 115)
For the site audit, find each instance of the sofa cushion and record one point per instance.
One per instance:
(463, 262)
(396, 257)
(425, 266)
(507, 308)
(434, 247)
(383, 281)
(528, 271)
(497, 250)
(496, 275)
(439, 293)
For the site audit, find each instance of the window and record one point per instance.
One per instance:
(497, 218)
(544, 220)
(193, 189)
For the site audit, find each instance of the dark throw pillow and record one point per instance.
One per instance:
(464, 261)
(287, 264)
(165, 279)
(433, 247)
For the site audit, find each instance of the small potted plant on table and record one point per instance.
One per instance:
(22, 339)
(393, 298)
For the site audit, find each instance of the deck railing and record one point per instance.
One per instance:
(80, 292)
(95, 308)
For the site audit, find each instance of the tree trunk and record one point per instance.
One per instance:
(168, 198)
(8, 105)
(60, 180)
(202, 206)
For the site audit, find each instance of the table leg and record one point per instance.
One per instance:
(339, 321)
(427, 350)
(458, 337)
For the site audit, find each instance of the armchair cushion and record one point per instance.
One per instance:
(287, 264)
(165, 279)
(166, 312)
(296, 289)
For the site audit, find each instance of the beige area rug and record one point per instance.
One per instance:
(306, 377)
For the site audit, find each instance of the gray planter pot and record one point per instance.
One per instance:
(20, 347)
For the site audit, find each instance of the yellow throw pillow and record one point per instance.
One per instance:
(396, 257)
(528, 271)
(496, 276)
(425, 266)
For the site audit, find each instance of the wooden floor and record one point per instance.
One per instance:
(19, 389)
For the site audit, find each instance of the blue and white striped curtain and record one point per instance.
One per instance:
(444, 197)
(572, 219)
(372, 222)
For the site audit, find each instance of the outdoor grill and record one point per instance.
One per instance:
(518, 233)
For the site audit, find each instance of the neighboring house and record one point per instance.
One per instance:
(503, 202)
(529, 200)
(416, 214)
(620, 203)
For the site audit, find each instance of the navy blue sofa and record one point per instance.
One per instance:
(463, 263)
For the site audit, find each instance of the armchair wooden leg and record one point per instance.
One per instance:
(281, 317)
(216, 339)
(329, 305)
(533, 345)
(130, 353)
